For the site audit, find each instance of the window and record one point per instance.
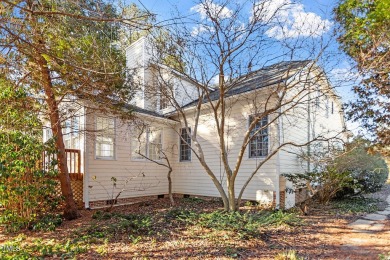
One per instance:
(317, 99)
(48, 134)
(146, 141)
(185, 144)
(154, 144)
(105, 138)
(165, 93)
(70, 131)
(164, 103)
(258, 145)
(332, 108)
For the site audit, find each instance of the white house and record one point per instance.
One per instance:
(110, 160)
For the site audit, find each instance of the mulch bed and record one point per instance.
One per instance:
(324, 235)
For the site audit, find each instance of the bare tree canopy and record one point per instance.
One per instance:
(227, 50)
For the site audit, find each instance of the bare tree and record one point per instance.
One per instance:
(225, 55)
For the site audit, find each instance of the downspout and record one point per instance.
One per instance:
(279, 129)
(143, 74)
(308, 129)
(86, 163)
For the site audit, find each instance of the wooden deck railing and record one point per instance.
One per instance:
(73, 158)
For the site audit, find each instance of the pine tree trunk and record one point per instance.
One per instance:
(70, 211)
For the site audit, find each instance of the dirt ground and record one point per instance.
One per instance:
(324, 235)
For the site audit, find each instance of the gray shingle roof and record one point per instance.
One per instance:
(144, 111)
(267, 76)
(264, 77)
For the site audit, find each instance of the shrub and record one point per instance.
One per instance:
(324, 184)
(342, 173)
(368, 170)
(27, 192)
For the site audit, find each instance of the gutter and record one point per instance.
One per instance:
(86, 164)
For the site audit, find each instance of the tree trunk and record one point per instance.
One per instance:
(170, 187)
(70, 211)
(231, 195)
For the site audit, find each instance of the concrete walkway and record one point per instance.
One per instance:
(371, 222)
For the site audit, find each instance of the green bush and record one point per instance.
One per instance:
(340, 173)
(324, 185)
(27, 192)
(368, 170)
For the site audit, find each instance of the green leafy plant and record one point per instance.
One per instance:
(323, 184)
(39, 249)
(110, 225)
(48, 222)
(244, 224)
(289, 255)
(356, 205)
(384, 256)
(27, 187)
(342, 172)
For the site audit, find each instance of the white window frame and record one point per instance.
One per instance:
(259, 133)
(73, 136)
(98, 134)
(188, 144)
(326, 106)
(147, 146)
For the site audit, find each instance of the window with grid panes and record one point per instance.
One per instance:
(258, 145)
(105, 138)
(154, 143)
(185, 144)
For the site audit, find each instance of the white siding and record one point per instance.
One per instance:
(139, 59)
(135, 63)
(299, 128)
(191, 178)
(135, 178)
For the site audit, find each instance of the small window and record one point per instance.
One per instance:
(105, 138)
(258, 145)
(185, 144)
(332, 108)
(326, 106)
(154, 144)
(70, 130)
(48, 134)
(164, 103)
(165, 93)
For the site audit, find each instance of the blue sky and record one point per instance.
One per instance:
(315, 11)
